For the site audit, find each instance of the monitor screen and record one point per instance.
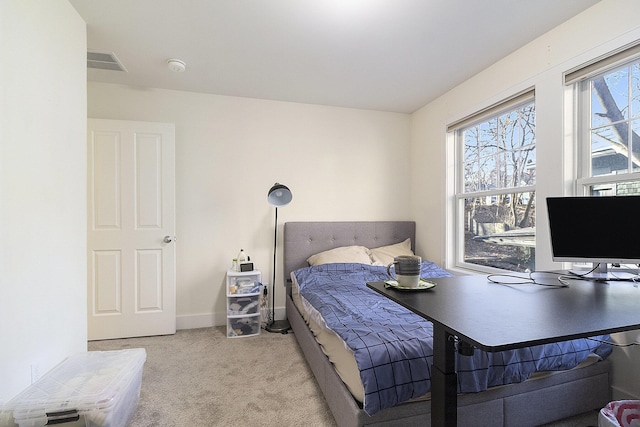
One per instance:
(598, 229)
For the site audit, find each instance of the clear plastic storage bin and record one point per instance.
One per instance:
(91, 389)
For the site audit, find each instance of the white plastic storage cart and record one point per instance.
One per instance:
(243, 303)
(91, 389)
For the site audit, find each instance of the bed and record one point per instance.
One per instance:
(548, 397)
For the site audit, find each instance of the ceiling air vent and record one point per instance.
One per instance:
(104, 61)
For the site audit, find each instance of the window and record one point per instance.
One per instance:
(609, 125)
(495, 186)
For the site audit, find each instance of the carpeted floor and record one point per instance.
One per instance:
(199, 377)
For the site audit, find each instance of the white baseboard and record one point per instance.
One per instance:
(619, 394)
(208, 320)
(194, 321)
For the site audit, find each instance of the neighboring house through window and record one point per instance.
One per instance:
(495, 186)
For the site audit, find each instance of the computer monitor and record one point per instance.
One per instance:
(600, 229)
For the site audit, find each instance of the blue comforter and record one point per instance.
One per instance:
(393, 347)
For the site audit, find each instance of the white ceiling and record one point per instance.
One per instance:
(388, 55)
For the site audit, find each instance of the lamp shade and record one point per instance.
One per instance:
(279, 195)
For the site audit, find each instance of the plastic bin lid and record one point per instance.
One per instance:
(88, 381)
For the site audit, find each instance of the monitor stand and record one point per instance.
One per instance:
(601, 274)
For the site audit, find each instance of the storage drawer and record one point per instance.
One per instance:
(243, 326)
(246, 284)
(243, 305)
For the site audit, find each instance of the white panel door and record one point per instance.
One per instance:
(131, 229)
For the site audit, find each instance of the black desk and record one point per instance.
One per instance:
(495, 317)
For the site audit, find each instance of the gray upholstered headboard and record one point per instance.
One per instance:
(303, 239)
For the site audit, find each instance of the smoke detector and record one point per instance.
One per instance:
(176, 65)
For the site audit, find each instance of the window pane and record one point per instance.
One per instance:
(635, 90)
(608, 151)
(610, 98)
(635, 142)
(499, 231)
(615, 189)
(500, 153)
(615, 102)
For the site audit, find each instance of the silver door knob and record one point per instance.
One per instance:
(168, 239)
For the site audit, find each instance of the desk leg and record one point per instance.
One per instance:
(444, 381)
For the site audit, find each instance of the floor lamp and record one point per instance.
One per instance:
(278, 195)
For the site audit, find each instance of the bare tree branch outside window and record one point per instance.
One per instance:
(615, 141)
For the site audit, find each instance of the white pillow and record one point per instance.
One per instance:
(358, 254)
(384, 254)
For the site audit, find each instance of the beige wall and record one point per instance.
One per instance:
(340, 164)
(603, 28)
(42, 189)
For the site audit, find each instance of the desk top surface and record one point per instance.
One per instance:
(495, 317)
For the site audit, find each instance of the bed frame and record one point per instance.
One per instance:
(530, 403)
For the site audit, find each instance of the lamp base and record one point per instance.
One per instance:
(281, 326)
